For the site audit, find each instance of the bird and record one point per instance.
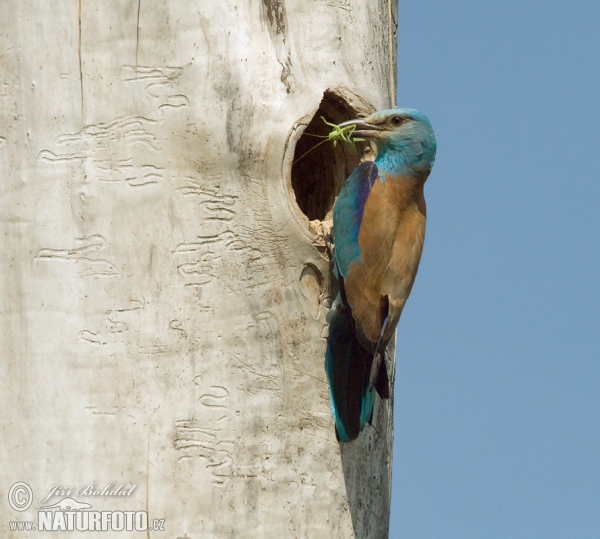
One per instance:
(378, 233)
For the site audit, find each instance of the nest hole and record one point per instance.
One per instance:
(320, 170)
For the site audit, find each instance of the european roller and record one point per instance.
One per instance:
(378, 234)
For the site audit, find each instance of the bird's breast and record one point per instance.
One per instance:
(391, 240)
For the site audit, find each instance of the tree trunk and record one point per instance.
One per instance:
(164, 293)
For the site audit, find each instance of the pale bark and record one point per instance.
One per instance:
(163, 295)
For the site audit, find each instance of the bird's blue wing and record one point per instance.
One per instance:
(347, 363)
(348, 213)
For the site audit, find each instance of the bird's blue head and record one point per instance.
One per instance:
(404, 139)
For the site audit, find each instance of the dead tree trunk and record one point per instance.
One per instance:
(164, 275)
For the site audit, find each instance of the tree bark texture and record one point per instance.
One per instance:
(163, 291)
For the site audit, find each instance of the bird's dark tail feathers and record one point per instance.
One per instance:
(348, 367)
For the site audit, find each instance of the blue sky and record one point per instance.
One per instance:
(497, 410)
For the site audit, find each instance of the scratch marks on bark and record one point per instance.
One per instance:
(176, 325)
(152, 350)
(155, 74)
(202, 257)
(159, 82)
(341, 4)
(203, 440)
(83, 256)
(113, 410)
(122, 152)
(177, 101)
(129, 130)
(203, 443)
(217, 401)
(229, 257)
(269, 377)
(116, 322)
(259, 380)
(92, 338)
(112, 316)
(215, 204)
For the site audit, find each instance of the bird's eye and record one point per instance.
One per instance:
(396, 120)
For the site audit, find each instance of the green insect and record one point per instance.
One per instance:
(337, 133)
(342, 133)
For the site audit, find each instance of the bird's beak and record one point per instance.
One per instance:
(363, 129)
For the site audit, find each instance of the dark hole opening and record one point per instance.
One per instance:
(318, 176)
